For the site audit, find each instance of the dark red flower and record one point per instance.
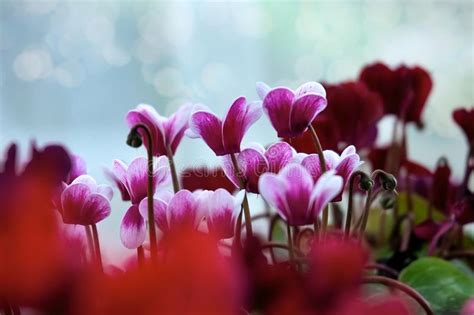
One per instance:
(465, 119)
(350, 118)
(205, 178)
(404, 90)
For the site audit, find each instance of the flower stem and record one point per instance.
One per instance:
(402, 287)
(350, 205)
(151, 217)
(365, 215)
(322, 162)
(245, 203)
(290, 244)
(90, 241)
(174, 174)
(98, 255)
(140, 256)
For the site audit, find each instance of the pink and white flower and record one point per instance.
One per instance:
(296, 196)
(291, 112)
(224, 136)
(255, 160)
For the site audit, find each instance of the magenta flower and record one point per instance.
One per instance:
(84, 202)
(343, 165)
(132, 181)
(165, 131)
(255, 160)
(291, 112)
(295, 195)
(225, 136)
(222, 212)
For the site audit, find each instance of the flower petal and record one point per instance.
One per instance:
(277, 104)
(86, 180)
(162, 173)
(73, 199)
(310, 87)
(272, 189)
(298, 188)
(278, 156)
(209, 128)
(137, 179)
(183, 210)
(221, 217)
(229, 170)
(176, 125)
(252, 164)
(95, 209)
(305, 108)
(312, 163)
(106, 191)
(133, 228)
(159, 212)
(327, 187)
(118, 175)
(239, 118)
(262, 89)
(147, 115)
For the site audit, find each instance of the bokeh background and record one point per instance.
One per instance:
(70, 70)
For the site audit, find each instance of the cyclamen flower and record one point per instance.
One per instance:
(404, 90)
(222, 212)
(78, 168)
(343, 165)
(465, 119)
(291, 112)
(165, 131)
(84, 202)
(132, 181)
(295, 195)
(224, 136)
(255, 161)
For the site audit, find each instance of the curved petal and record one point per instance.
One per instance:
(298, 188)
(209, 128)
(347, 166)
(106, 191)
(86, 180)
(182, 210)
(312, 163)
(252, 164)
(332, 159)
(229, 170)
(118, 175)
(349, 150)
(73, 199)
(162, 173)
(137, 179)
(78, 167)
(133, 228)
(262, 89)
(310, 87)
(239, 118)
(221, 215)
(95, 209)
(278, 156)
(305, 108)
(272, 189)
(147, 115)
(327, 187)
(159, 212)
(176, 125)
(277, 104)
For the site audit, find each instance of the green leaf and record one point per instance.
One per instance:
(444, 285)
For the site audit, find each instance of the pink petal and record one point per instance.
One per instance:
(147, 115)
(332, 159)
(222, 214)
(312, 163)
(183, 210)
(262, 90)
(348, 165)
(137, 179)
(278, 156)
(327, 187)
(118, 176)
(298, 187)
(106, 191)
(347, 151)
(86, 180)
(159, 212)
(304, 110)
(78, 168)
(277, 104)
(73, 199)
(162, 173)
(209, 128)
(95, 209)
(229, 170)
(133, 228)
(310, 87)
(272, 189)
(238, 120)
(176, 125)
(252, 164)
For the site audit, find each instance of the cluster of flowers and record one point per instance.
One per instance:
(190, 256)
